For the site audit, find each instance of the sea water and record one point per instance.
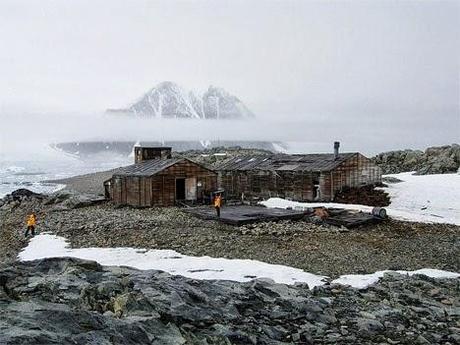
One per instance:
(33, 175)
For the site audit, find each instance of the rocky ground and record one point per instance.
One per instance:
(70, 301)
(319, 249)
(92, 183)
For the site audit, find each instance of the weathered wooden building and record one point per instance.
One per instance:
(156, 179)
(310, 177)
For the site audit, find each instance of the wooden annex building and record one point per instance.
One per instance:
(156, 179)
(309, 177)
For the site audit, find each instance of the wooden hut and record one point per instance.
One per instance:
(158, 180)
(310, 177)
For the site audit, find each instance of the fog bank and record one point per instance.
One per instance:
(28, 136)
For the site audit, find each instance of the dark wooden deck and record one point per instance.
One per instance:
(240, 215)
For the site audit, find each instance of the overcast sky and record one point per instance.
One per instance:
(384, 62)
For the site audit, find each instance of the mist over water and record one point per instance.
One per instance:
(28, 137)
(28, 155)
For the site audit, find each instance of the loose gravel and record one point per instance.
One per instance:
(325, 250)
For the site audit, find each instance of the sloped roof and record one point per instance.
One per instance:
(151, 167)
(282, 162)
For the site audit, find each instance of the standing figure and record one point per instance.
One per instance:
(217, 204)
(31, 221)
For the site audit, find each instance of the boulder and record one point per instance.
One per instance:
(20, 195)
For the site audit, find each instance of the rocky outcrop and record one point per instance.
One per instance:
(62, 200)
(442, 159)
(20, 195)
(14, 199)
(435, 160)
(70, 301)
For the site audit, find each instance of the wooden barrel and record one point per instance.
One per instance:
(379, 212)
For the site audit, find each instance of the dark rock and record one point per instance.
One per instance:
(391, 179)
(20, 195)
(71, 301)
(369, 326)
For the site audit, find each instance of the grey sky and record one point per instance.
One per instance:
(389, 63)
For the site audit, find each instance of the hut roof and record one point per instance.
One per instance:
(284, 162)
(151, 167)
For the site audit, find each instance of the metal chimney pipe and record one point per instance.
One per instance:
(336, 149)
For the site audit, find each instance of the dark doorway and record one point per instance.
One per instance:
(316, 186)
(180, 188)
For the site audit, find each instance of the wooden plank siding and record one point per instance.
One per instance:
(160, 188)
(265, 184)
(299, 185)
(355, 172)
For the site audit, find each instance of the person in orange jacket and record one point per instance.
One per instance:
(31, 222)
(218, 204)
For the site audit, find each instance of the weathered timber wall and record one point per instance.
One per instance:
(266, 184)
(299, 185)
(355, 172)
(160, 189)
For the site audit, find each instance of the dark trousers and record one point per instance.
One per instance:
(217, 210)
(30, 228)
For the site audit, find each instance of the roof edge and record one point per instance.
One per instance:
(174, 161)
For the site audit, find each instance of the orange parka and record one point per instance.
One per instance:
(31, 220)
(217, 201)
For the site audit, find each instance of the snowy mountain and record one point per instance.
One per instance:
(169, 100)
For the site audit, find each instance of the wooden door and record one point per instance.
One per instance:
(190, 188)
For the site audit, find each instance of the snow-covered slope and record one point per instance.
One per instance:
(219, 104)
(169, 100)
(429, 198)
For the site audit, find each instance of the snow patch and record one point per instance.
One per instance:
(361, 281)
(204, 267)
(205, 143)
(47, 245)
(279, 148)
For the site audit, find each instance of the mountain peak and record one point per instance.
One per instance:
(166, 85)
(169, 100)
